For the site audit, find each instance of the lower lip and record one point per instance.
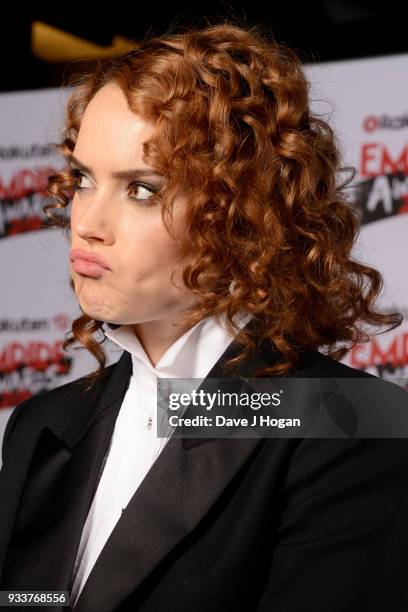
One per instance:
(90, 268)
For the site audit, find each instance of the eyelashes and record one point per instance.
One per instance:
(76, 176)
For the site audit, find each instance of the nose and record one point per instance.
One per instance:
(91, 221)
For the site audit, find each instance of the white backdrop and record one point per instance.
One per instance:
(366, 101)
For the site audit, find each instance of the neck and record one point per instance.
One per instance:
(157, 336)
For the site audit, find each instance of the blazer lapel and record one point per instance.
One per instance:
(176, 494)
(55, 483)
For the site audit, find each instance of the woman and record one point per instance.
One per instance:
(252, 276)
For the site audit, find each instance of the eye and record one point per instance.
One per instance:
(77, 177)
(146, 188)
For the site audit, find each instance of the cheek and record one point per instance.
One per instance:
(151, 250)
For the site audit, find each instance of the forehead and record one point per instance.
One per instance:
(110, 129)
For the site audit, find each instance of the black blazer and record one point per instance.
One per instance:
(218, 524)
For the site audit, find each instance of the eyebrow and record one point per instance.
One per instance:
(118, 174)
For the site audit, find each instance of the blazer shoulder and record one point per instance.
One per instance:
(37, 410)
(315, 363)
(323, 454)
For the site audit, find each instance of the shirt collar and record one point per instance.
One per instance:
(191, 356)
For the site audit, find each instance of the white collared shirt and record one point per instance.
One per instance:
(134, 445)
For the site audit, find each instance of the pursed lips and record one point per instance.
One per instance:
(88, 256)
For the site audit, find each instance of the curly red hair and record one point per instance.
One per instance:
(233, 124)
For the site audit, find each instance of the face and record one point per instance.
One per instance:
(128, 233)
